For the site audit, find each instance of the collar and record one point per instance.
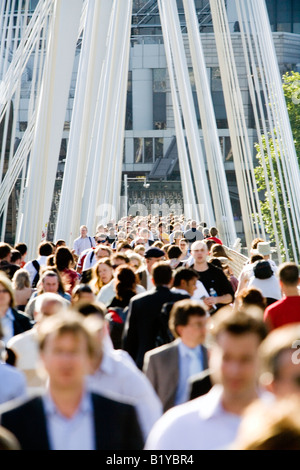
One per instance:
(9, 314)
(85, 406)
(180, 291)
(185, 350)
(107, 364)
(212, 405)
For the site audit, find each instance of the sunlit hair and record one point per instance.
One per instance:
(7, 284)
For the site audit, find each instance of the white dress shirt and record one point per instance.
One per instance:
(118, 378)
(81, 244)
(42, 260)
(12, 384)
(200, 424)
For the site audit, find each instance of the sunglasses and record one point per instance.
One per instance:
(100, 241)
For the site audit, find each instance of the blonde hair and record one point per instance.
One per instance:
(21, 279)
(96, 282)
(7, 284)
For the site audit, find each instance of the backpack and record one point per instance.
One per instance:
(37, 276)
(116, 318)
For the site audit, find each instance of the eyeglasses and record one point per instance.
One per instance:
(100, 241)
(4, 291)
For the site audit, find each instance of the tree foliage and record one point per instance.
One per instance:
(291, 88)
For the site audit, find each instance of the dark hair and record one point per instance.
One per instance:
(185, 274)
(255, 242)
(255, 258)
(237, 322)
(5, 249)
(63, 258)
(121, 256)
(52, 272)
(15, 255)
(216, 262)
(213, 231)
(94, 308)
(162, 273)
(289, 274)
(126, 280)
(22, 248)
(182, 311)
(209, 243)
(45, 249)
(82, 288)
(60, 243)
(174, 252)
(252, 296)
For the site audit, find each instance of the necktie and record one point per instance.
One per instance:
(194, 366)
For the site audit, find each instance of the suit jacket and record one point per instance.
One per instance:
(200, 384)
(116, 425)
(143, 321)
(22, 323)
(161, 366)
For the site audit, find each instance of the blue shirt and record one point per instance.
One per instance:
(185, 370)
(7, 323)
(75, 433)
(12, 383)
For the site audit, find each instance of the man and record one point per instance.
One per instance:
(280, 356)
(193, 235)
(24, 347)
(33, 267)
(185, 281)
(143, 321)
(211, 422)
(68, 417)
(6, 266)
(83, 242)
(152, 256)
(169, 367)
(213, 279)
(286, 310)
(116, 376)
(22, 248)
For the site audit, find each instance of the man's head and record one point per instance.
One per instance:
(22, 248)
(50, 282)
(67, 350)
(45, 249)
(289, 276)
(5, 252)
(152, 256)
(83, 231)
(213, 231)
(103, 251)
(188, 321)
(82, 293)
(199, 251)
(234, 357)
(280, 357)
(186, 279)
(162, 274)
(46, 305)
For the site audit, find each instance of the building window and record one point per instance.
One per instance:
(159, 99)
(148, 149)
(128, 121)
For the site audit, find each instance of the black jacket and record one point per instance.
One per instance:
(116, 425)
(144, 320)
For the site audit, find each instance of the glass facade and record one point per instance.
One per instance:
(284, 15)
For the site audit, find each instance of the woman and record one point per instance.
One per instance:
(102, 274)
(22, 289)
(12, 321)
(64, 262)
(135, 261)
(125, 288)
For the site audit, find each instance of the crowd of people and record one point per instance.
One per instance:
(143, 336)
